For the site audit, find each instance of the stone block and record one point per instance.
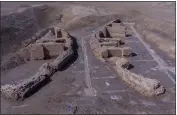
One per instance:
(104, 53)
(118, 34)
(60, 32)
(119, 25)
(36, 51)
(128, 32)
(109, 40)
(117, 29)
(90, 92)
(24, 52)
(58, 40)
(52, 49)
(127, 51)
(115, 52)
(115, 44)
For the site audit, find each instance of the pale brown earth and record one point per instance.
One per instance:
(21, 23)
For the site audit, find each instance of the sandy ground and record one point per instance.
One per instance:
(65, 92)
(152, 17)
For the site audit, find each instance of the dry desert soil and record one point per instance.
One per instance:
(87, 85)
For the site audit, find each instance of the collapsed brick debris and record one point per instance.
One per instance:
(65, 53)
(106, 45)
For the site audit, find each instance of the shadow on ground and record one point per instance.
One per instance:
(74, 56)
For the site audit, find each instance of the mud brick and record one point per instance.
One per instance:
(127, 51)
(115, 44)
(104, 53)
(109, 39)
(52, 49)
(118, 34)
(36, 52)
(115, 52)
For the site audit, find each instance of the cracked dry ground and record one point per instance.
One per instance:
(65, 92)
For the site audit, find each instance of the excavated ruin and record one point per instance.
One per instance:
(107, 45)
(58, 44)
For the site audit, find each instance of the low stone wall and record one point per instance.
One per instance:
(40, 50)
(46, 47)
(96, 47)
(146, 86)
(108, 49)
(105, 46)
(24, 89)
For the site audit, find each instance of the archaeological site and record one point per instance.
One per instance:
(88, 58)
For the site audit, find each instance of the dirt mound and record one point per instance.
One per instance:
(78, 16)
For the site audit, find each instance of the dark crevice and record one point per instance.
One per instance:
(75, 110)
(117, 21)
(133, 54)
(128, 35)
(59, 34)
(101, 35)
(122, 43)
(128, 66)
(108, 35)
(46, 53)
